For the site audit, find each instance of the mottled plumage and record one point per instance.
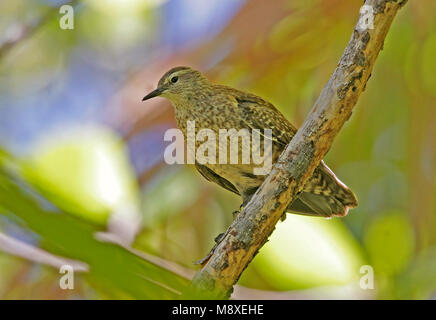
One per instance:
(220, 107)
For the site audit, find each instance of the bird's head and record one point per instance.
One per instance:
(178, 84)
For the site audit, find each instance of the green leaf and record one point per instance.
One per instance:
(114, 270)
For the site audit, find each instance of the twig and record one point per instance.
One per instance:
(252, 227)
(18, 248)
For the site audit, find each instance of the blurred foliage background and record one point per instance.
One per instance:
(82, 158)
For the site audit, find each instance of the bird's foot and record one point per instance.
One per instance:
(218, 240)
(219, 237)
(204, 260)
(236, 212)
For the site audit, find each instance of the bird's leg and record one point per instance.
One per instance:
(218, 240)
(204, 260)
(220, 237)
(236, 212)
(245, 200)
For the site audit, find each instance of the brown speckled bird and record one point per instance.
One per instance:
(217, 107)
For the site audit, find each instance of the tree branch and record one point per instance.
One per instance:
(252, 227)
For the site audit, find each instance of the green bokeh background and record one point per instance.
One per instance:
(62, 187)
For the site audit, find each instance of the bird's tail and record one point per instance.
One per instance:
(324, 195)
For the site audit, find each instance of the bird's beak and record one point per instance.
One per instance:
(154, 93)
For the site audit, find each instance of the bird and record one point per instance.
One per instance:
(214, 106)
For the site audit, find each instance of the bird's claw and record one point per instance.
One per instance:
(204, 260)
(219, 237)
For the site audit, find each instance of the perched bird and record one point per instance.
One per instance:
(218, 107)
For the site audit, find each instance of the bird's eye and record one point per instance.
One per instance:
(174, 79)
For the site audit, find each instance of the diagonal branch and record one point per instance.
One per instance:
(252, 227)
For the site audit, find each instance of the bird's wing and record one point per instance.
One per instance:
(324, 194)
(213, 177)
(260, 114)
